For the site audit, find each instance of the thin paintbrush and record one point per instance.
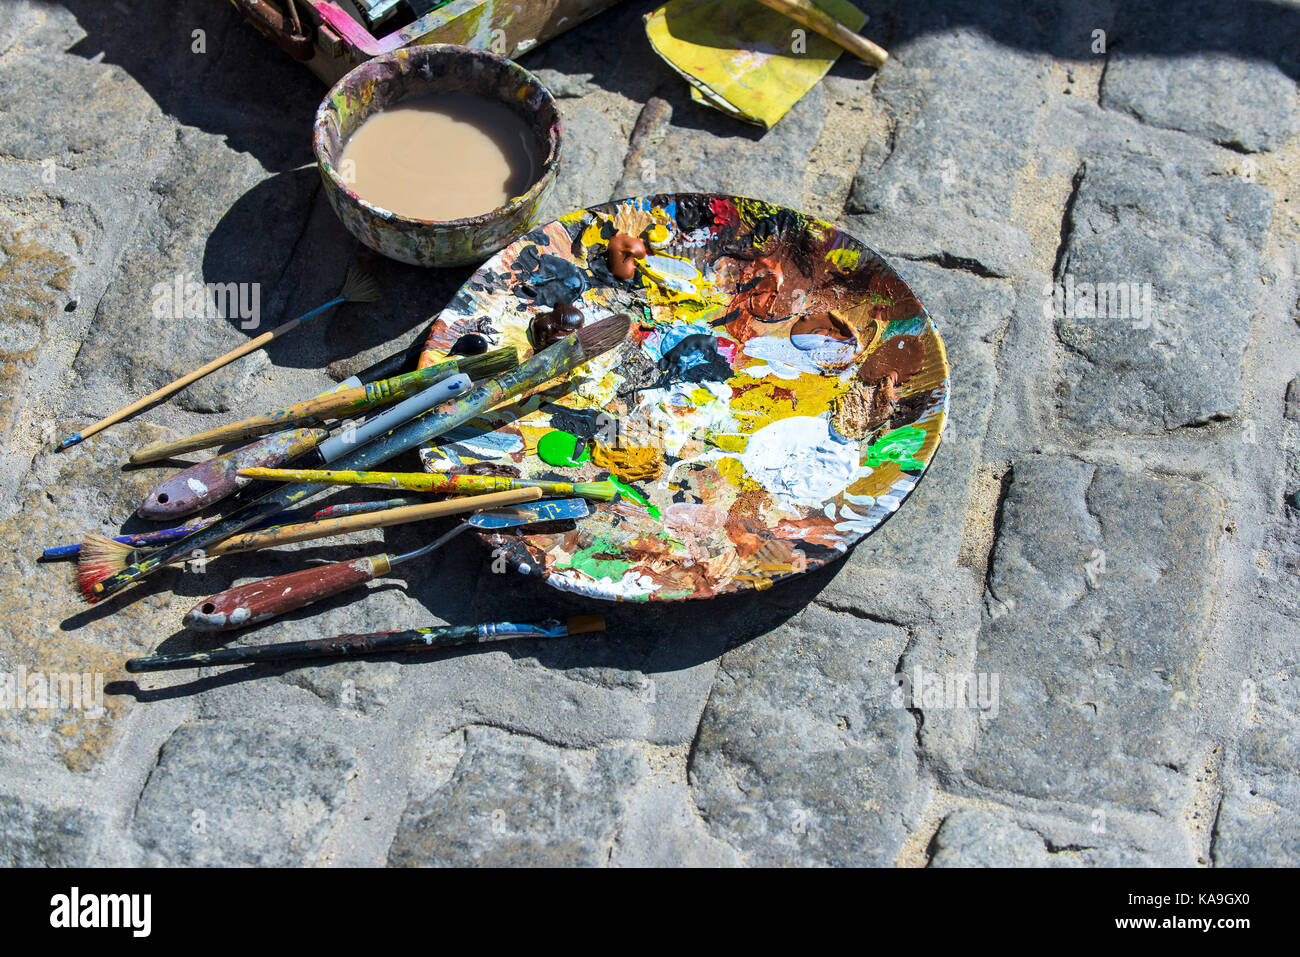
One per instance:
(378, 643)
(102, 556)
(439, 482)
(559, 359)
(359, 286)
(333, 405)
(259, 601)
(98, 556)
(162, 535)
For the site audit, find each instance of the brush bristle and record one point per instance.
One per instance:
(605, 491)
(489, 364)
(603, 335)
(99, 558)
(360, 286)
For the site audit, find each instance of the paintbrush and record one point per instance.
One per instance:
(209, 482)
(377, 643)
(260, 601)
(212, 480)
(332, 405)
(559, 359)
(385, 368)
(439, 482)
(358, 286)
(139, 539)
(805, 12)
(101, 557)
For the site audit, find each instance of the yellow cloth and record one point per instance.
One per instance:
(739, 56)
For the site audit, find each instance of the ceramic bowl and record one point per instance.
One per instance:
(416, 71)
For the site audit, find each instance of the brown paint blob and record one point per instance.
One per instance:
(767, 278)
(631, 464)
(850, 412)
(898, 300)
(903, 355)
(856, 413)
(823, 324)
(548, 328)
(624, 251)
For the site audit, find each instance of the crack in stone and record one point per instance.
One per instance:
(999, 516)
(946, 260)
(302, 232)
(862, 615)
(1214, 827)
(1067, 222)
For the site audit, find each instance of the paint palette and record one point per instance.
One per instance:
(780, 395)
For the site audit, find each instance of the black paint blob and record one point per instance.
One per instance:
(470, 344)
(547, 279)
(695, 359)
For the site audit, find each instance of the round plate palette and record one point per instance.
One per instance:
(780, 394)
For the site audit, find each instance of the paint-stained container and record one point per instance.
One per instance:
(330, 40)
(421, 71)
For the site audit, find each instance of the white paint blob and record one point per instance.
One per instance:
(787, 360)
(799, 461)
(684, 409)
(197, 487)
(674, 273)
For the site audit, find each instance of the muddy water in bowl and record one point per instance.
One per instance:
(441, 157)
(395, 79)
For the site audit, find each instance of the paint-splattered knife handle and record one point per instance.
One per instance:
(263, 600)
(217, 478)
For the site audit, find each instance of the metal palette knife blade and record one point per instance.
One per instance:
(553, 511)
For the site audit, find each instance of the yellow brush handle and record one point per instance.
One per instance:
(288, 534)
(251, 427)
(326, 406)
(432, 482)
(803, 11)
(410, 481)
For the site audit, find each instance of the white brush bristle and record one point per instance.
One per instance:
(360, 286)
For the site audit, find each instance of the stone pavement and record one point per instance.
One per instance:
(1106, 548)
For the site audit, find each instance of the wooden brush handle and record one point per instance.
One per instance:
(288, 534)
(263, 600)
(803, 11)
(236, 353)
(330, 405)
(252, 427)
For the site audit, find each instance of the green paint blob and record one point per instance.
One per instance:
(595, 560)
(628, 492)
(560, 449)
(900, 447)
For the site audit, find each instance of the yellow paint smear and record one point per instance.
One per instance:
(807, 395)
(845, 260)
(631, 464)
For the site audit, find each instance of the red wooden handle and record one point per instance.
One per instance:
(262, 600)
